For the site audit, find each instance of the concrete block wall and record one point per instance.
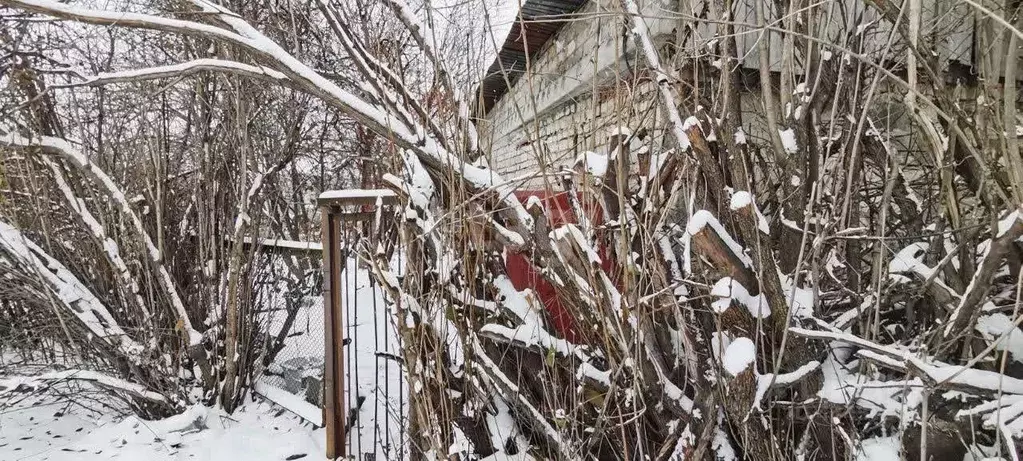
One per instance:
(578, 90)
(581, 86)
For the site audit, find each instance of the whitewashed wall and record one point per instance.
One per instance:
(556, 99)
(579, 89)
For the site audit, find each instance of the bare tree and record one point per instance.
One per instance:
(889, 268)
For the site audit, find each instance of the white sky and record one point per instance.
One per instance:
(502, 16)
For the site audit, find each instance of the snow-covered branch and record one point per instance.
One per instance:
(424, 37)
(110, 247)
(185, 69)
(646, 45)
(72, 294)
(1009, 230)
(55, 146)
(99, 379)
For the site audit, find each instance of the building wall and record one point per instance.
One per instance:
(581, 88)
(576, 93)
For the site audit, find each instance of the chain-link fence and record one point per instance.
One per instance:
(293, 309)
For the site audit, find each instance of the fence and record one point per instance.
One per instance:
(341, 364)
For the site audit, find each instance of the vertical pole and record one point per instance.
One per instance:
(334, 402)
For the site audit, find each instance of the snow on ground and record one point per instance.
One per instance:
(255, 432)
(879, 449)
(65, 423)
(73, 421)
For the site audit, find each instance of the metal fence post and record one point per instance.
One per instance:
(334, 399)
(336, 207)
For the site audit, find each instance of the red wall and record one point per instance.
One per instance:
(524, 275)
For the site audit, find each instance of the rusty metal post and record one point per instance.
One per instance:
(334, 392)
(337, 207)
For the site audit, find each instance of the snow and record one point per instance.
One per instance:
(657, 161)
(589, 371)
(843, 386)
(697, 222)
(642, 35)
(1007, 222)
(372, 328)
(50, 425)
(285, 244)
(410, 136)
(292, 402)
(691, 122)
(64, 149)
(526, 307)
(768, 380)
(175, 70)
(742, 199)
(910, 259)
(994, 326)
(501, 426)
(103, 380)
(571, 231)
(788, 140)
(740, 354)
(740, 137)
(879, 449)
(728, 289)
(722, 446)
(356, 194)
(719, 342)
(110, 246)
(369, 371)
(80, 301)
(1010, 403)
(530, 335)
(801, 301)
(954, 375)
(595, 164)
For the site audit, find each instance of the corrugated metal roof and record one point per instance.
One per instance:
(537, 22)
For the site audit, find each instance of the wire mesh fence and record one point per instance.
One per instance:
(295, 317)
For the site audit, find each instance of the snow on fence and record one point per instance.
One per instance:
(341, 365)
